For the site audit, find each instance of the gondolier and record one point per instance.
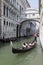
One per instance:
(35, 35)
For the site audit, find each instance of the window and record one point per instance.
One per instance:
(15, 0)
(42, 13)
(7, 23)
(17, 3)
(33, 14)
(12, 24)
(25, 14)
(42, 24)
(4, 22)
(17, 17)
(4, 10)
(20, 9)
(10, 0)
(7, 11)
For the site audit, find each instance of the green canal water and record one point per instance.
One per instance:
(33, 57)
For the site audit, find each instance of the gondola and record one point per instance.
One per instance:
(21, 50)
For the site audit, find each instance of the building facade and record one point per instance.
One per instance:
(41, 22)
(10, 12)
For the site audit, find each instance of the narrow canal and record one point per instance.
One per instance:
(33, 57)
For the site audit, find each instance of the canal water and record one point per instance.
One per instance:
(33, 57)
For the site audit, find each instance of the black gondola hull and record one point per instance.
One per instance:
(20, 50)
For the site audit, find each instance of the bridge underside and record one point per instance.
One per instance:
(27, 27)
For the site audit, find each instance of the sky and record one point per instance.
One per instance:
(34, 3)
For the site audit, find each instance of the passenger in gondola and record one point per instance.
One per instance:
(25, 45)
(32, 44)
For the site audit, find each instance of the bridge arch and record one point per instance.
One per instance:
(24, 27)
(30, 20)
